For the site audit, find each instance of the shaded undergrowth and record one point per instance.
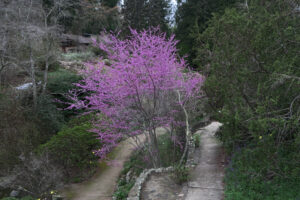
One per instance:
(170, 154)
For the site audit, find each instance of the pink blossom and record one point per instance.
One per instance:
(138, 92)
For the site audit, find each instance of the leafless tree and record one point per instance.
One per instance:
(29, 33)
(37, 175)
(51, 13)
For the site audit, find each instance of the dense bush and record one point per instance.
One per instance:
(73, 146)
(251, 59)
(253, 78)
(259, 173)
(59, 83)
(196, 138)
(123, 189)
(170, 150)
(181, 174)
(47, 117)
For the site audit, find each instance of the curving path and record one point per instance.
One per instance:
(207, 178)
(102, 185)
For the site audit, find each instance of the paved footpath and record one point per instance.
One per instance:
(207, 178)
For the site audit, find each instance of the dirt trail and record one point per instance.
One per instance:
(207, 178)
(102, 185)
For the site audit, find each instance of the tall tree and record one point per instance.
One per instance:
(159, 11)
(28, 30)
(191, 19)
(94, 17)
(109, 3)
(135, 13)
(141, 14)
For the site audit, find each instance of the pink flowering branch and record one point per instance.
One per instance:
(139, 91)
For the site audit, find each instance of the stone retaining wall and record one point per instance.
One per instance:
(135, 192)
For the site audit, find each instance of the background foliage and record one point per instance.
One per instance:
(191, 20)
(73, 146)
(251, 58)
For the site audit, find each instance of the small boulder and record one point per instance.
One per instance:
(57, 197)
(14, 193)
(128, 176)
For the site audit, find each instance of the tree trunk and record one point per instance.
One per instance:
(1, 68)
(187, 132)
(34, 88)
(45, 76)
(157, 153)
(156, 161)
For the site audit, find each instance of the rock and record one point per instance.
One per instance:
(14, 193)
(128, 176)
(57, 197)
(24, 86)
(6, 181)
(107, 62)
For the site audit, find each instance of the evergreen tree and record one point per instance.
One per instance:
(191, 18)
(141, 14)
(110, 3)
(159, 10)
(135, 13)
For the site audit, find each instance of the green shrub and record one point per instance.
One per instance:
(59, 84)
(253, 76)
(123, 189)
(136, 163)
(72, 147)
(78, 56)
(251, 176)
(253, 84)
(170, 152)
(196, 138)
(47, 117)
(181, 174)
(62, 81)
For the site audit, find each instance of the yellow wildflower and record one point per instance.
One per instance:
(260, 137)
(52, 192)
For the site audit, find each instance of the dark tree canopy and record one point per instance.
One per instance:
(89, 16)
(191, 19)
(110, 3)
(141, 14)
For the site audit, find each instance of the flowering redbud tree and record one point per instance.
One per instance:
(145, 87)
